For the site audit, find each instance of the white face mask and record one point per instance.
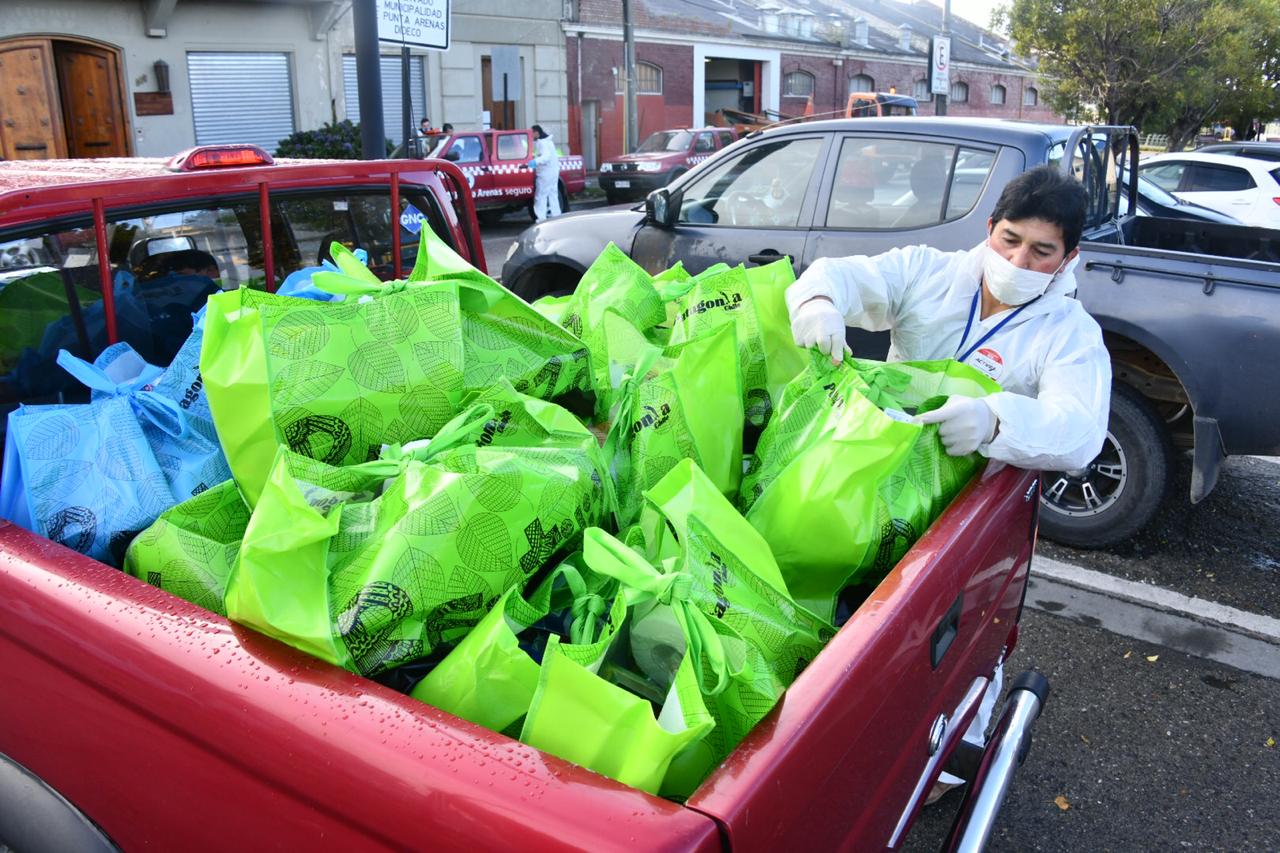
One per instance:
(1013, 285)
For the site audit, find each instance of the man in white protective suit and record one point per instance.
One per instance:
(546, 175)
(1005, 307)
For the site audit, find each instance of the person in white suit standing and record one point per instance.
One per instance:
(546, 175)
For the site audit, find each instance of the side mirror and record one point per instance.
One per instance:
(452, 156)
(659, 210)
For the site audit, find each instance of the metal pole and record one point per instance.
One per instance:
(373, 142)
(940, 102)
(629, 69)
(406, 101)
(506, 118)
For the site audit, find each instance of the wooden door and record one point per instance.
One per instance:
(502, 114)
(30, 120)
(92, 111)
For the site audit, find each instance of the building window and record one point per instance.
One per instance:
(997, 94)
(921, 91)
(1031, 97)
(798, 84)
(392, 100)
(648, 80)
(959, 93)
(861, 83)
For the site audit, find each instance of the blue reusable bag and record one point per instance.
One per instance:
(298, 283)
(92, 476)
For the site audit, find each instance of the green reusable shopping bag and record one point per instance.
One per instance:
(374, 565)
(841, 488)
(753, 300)
(613, 283)
(191, 548)
(593, 720)
(678, 402)
(735, 581)
(333, 381)
(491, 676)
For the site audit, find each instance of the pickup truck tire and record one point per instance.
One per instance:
(36, 818)
(1128, 480)
(492, 217)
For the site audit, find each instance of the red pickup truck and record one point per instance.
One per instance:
(498, 165)
(135, 719)
(660, 159)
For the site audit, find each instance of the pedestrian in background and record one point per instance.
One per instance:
(546, 175)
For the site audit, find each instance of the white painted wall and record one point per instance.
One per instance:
(194, 25)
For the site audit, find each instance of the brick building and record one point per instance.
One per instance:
(695, 57)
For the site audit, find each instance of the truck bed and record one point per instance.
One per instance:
(162, 721)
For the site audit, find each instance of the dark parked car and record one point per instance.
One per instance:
(1190, 309)
(1257, 150)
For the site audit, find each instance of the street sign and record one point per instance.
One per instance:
(940, 65)
(422, 23)
(504, 60)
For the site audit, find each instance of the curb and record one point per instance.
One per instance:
(1194, 626)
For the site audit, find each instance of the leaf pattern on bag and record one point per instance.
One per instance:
(437, 517)
(440, 362)
(120, 457)
(438, 311)
(321, 437)
(300, 383)
(478, 374)
(497, 491)
(391, 319)
(484, 543)
(192, 582)
(52, 437)
(358, 522)
(298, 334)
(425, 410)
(376, 366)
(367, 622)
(196, 547)
(57, 481)
(365, 422)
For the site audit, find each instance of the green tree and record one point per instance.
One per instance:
(1132, 61)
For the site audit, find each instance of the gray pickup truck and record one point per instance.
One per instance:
(1190, 309)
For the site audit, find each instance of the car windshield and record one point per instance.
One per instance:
(666, 140)
(439, 145)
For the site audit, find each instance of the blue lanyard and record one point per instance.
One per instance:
(973, 310)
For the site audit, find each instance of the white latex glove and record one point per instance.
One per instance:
(817, 323)
(964, 423)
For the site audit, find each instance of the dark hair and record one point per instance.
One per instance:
(427, 120)
(446, 127)
(1045, 193)
(537, 128)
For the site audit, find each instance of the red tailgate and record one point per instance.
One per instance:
(173, 729)
(835, 764)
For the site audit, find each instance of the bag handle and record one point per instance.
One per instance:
(588, 607)
(158, 409)
(608, 556)
(462, 429)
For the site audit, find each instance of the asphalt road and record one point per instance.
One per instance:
(1164, 754)
(1225, 549)
(499, 237)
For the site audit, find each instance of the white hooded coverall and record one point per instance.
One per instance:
(546, 178)
(1049, 359)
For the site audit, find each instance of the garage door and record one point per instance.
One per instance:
(390, 92)
(241, 97)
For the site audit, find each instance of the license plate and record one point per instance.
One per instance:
(622, 185)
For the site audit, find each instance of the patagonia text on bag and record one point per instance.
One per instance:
(374, 565)
(753, 300)
(841, 488)
(680, 402)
